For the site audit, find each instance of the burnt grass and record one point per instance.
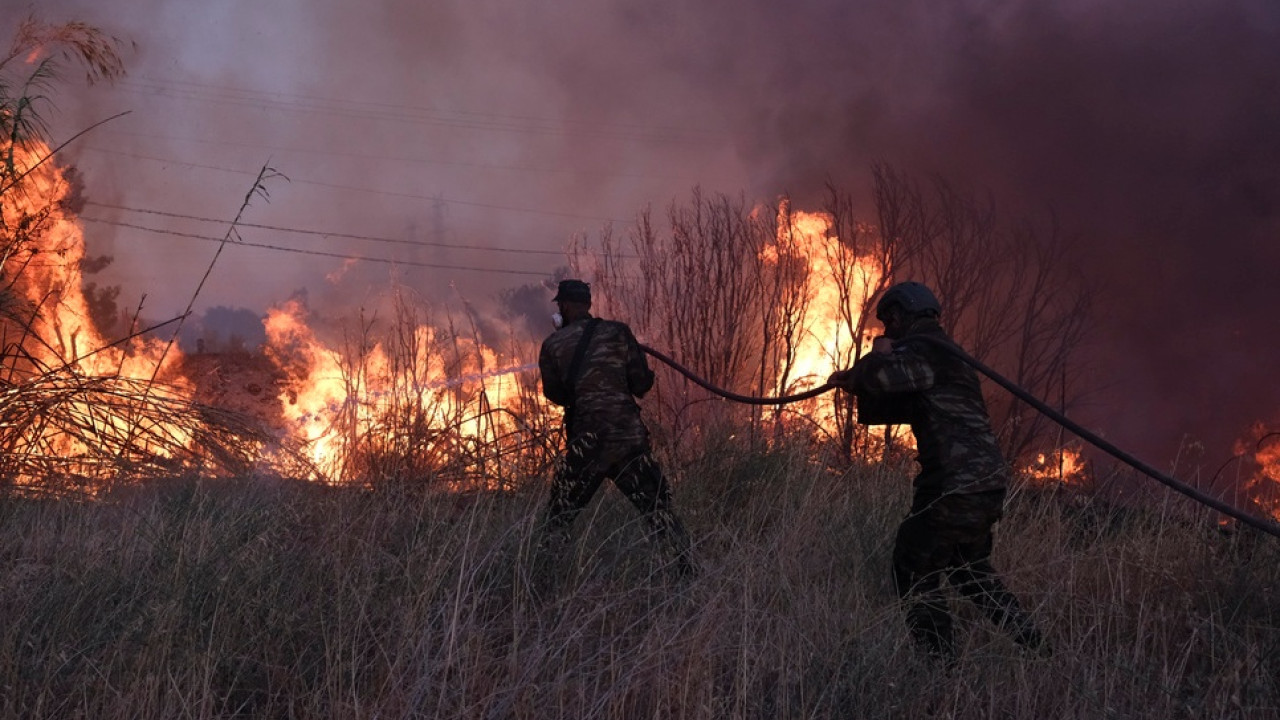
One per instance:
(267, 598)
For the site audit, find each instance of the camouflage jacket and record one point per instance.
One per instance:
(613, 373)
(940, 395)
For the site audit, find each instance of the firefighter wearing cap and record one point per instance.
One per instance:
(595, 369)
(960, 490)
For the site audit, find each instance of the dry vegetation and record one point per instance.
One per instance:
(71, 418)
(196, 584)
(264, 599)
(737, 292)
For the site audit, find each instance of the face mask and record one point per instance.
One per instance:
(558, 320)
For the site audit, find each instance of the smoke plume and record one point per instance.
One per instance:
(1145, 129)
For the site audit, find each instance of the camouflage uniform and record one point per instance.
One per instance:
(959, 492)
(605, 434)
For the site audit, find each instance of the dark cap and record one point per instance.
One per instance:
(573, 291)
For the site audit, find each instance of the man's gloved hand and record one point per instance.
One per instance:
(842, 379)
(848, 379)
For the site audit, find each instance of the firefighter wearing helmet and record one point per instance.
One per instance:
(959, 493)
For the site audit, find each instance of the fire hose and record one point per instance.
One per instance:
(1266, 526)
(747, 399)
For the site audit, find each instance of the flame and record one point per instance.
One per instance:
(346, 405)
(827, 339)
(49, 275)
(1261, 446)
(836, 282)
(316, 391)
(44, 248)
(335, 276)
(1062, 467)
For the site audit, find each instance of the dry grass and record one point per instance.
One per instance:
(184, 595)
(250, 598)
(61, 430)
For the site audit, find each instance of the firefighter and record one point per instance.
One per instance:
(960, 490)
(595, 369)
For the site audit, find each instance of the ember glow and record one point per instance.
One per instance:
(1261, 450)
(1062, 467)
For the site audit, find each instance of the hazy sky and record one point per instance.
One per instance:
(1149, 129)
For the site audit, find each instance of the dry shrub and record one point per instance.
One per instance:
(426, 399)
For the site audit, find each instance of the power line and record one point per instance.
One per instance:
(389, 193)
(330, 234)
(318, 253)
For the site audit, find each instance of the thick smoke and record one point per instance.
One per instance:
(1147, 129)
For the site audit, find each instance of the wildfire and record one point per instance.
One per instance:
(425, 400)
(415, 398)
(422, 398)
(835, 285)
(55, 356)
(1062, 467)
(46, 266)
(1262, 488)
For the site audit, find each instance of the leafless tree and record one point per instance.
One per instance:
(1010, 296)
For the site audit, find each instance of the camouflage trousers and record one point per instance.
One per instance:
(587, 463)
(950, 537)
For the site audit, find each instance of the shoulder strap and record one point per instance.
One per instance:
(575, 369)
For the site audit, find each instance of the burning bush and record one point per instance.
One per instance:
(771, 300)
(75, 408)
(415, 399)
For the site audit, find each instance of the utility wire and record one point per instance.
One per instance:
(331, 234)
(318, 253)
(374, 191)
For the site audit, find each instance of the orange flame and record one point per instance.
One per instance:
(827, 338)
(43, 253)
(337, 401)
(832, 306)
(1262, 446)
(1062, 467)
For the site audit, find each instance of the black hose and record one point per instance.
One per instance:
(1066, 422)
(1261, 524)
(748, 399)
